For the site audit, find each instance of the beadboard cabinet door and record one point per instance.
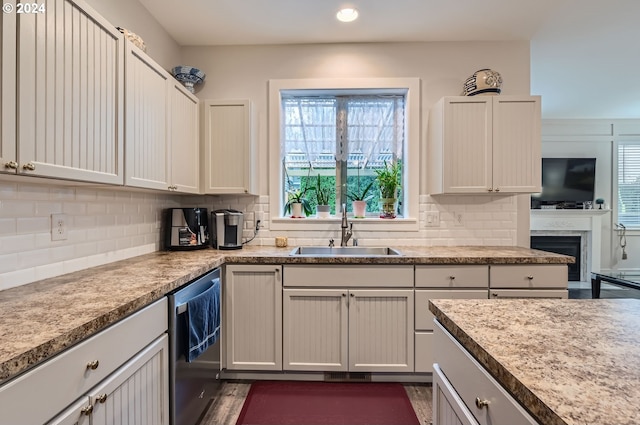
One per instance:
(315, 329)
(8, 153)
(185, 142)
(252, 308)
(229, 158)
(147, 121)
(381, 328)
(70, 94)
(485, 144)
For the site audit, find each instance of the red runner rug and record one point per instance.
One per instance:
(326, 403)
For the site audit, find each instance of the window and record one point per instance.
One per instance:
(341, 140)
(305, 160)
(629, 183)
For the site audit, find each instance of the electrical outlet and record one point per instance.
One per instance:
(433, 219)
(58, 227)
(457, 219)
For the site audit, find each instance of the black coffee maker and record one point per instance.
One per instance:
(186, 228)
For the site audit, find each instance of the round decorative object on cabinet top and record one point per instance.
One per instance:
(483, 82)
(189, 76)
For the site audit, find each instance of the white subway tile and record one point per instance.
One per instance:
(15, 208)
(16, 243)
(8, 263)
(29, 225)
(8, 226)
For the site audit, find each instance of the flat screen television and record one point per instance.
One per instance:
(566, 183)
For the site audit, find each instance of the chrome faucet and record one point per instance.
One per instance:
(347, 228)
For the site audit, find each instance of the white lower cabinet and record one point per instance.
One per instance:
(252, 311)
(434, 282)
(366, 325)
(131, 353)
(138, 390)
(465, 393)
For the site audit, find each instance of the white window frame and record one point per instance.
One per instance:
(632, 230)
(411, 149)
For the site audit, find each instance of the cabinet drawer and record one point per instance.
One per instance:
(424, 318)
(63, 379)
(470, 381)
(452, 276)
(528, 293)
(348, 276)
(529, 276)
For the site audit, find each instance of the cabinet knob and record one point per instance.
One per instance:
(452, 277)
(481, 403)
(87, 410)
(344, 295)
(93, 365)
(29, 166)
(101, 398)
(497, 189)
(530, 277)
(12, 165)
(490, 189)
(352, 295)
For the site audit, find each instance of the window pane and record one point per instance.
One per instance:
(629, 184)
(347, 136)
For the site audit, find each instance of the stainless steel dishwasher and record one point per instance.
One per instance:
(192, 385)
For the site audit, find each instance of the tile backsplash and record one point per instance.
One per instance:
(103, 225)
(107, 224)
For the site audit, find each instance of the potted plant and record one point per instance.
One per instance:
(297, 203)
(388, 181)
(359, 198)
(323, 194)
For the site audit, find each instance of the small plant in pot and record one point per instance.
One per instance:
(359, 199)
(323, 193)
(388, 181)
(297, 203)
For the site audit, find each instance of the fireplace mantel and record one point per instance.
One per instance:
(589, 222)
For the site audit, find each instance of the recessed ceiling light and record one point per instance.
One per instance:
(347, 15)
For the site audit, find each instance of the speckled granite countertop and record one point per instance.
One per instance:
(569, 362)
(41, 319)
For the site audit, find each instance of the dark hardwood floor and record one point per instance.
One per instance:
(226, 406)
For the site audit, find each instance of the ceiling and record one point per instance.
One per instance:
(585, 56)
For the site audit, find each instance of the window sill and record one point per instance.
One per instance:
(331, 223)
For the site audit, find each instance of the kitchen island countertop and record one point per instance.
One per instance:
(568, 362)
(43, 318)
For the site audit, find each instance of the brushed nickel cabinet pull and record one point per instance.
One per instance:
(530, 277)
(101, 398)
(87, 410)
(29, 166)
(12, 165)
(481, 403)
(93, 365)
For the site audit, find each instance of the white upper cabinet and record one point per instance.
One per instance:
(162, 139)
(69, 94)
(185, 142)
(485, 144)
(147, 112)
(8, 156)
(229, 163)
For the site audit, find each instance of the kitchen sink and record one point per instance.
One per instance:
(342, 251)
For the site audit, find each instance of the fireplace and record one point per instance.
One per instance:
(567, 245)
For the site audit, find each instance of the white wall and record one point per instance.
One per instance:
(597, 139)
(244, 72)
(130, 14)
